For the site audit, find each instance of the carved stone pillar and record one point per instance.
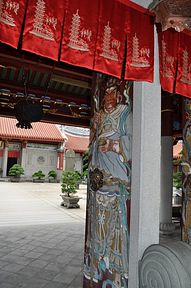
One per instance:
(5, 158)
(186, 168)
(108, 199)
(145, 196)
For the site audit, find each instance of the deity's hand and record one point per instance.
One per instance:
(106, 145)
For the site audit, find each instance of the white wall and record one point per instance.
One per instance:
(40, 159)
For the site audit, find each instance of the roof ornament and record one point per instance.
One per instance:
(172, 14)
(26, 110)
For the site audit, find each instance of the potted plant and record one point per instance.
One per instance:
(38, 176)
(69, 184)
(52, 176)
(15, 172)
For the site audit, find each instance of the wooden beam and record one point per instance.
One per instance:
(53, 94)
(51, 118)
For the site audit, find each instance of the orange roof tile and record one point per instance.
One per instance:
(77, 143)
(40, 132)
(177, 149)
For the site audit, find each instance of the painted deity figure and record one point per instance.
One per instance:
(186, 169)
(107, 231)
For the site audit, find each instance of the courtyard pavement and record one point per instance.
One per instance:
(41, 242)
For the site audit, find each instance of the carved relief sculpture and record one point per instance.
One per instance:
(186, 168)
(107, 230)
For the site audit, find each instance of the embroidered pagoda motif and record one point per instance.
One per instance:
(79, 38)
(110, 48)
(186, 68)
(139, 56)
(167, 62)
(42, 22)
(7, 10)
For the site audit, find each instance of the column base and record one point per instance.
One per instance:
(167, 228)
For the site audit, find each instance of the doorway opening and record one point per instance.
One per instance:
(10, 162)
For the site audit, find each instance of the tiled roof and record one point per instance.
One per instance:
(77, 143)
(40, 132)
(177, 149)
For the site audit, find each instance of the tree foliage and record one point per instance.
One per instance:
(177, 180)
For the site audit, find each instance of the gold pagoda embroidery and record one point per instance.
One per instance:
(140, 56)
(186, 68)
(79, 38)
(110, 47)
(167, 62)
(43, 24)
(6, 10)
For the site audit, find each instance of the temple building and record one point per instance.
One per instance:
(44, 147)
(122, 69)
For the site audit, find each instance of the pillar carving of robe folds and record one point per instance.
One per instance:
(107, 227)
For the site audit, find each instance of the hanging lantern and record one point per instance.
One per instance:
(27, 112)
(172, 13)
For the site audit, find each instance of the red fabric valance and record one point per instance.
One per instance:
(43, 27)
(140, 47)
(175, 62)
(11, 20)
(90, 35)
(14, 154)
(168, 57)
(111, 37)
(183, 82)
(80, 32)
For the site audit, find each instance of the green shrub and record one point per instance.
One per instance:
(38, 175)
(177, 180)
(52, 174)
(16, 170)
(69, 182)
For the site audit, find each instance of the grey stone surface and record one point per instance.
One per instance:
(41, 243)
(166, 265)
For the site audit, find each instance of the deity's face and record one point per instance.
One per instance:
(110, 100)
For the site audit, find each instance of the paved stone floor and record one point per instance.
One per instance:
(41, 243)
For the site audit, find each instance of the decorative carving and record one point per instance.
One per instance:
(96, 179)
(186, 169)
(166, 265)
(107, 239)
(167, 228)
(172, 13)
(40, 160)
